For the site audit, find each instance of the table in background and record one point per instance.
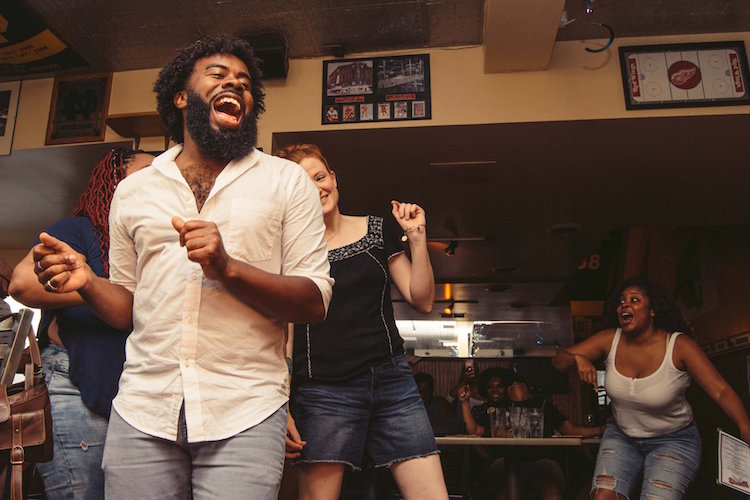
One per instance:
(511, 486)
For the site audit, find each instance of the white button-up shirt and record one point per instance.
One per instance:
(192, 340)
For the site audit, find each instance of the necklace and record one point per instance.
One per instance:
(334, 233)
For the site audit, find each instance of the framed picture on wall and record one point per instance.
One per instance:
(376, 89)
(9, 92)
(685, 75)
(79, 108)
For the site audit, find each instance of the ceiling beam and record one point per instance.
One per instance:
(519, 36)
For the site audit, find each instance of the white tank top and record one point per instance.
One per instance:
(650, 406)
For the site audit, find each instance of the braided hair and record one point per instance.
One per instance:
(96, 198)
(667, 316)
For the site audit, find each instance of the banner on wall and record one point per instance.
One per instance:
(28, 46)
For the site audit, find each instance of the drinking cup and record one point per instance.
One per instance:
(519, 421)
(536, 422)
(498, 418)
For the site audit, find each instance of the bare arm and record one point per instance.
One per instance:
(62, 270)
(414, 279)
(582, 356)
(689, 356)
(293, 299)
(472, 427)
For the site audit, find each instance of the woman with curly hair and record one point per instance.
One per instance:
(650, 360)
(82, 356)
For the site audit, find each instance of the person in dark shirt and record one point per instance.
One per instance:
(540, 471)
(492, 384)
(353, 392)
(442, 417)
(82, 356)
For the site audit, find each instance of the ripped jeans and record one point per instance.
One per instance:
(666, 463)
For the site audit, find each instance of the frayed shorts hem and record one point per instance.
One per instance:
(351, 466)
(330, 461)
(405, 459)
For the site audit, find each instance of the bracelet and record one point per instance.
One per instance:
(405, 237)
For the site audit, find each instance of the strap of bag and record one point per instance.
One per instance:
(16, 459)
(36, 362)
(17, 453)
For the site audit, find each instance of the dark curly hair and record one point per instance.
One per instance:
(174, 77)
(667, 316)
(504, 374)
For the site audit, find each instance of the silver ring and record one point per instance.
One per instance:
(39, 266)
(51, 287)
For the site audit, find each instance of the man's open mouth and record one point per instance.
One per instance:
(229, 106)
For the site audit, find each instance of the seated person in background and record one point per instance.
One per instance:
(540, 472)
(439, 411)
(492, 384)
(554, 421)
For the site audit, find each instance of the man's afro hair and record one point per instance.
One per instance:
(174, 77)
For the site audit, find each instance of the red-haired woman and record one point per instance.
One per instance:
(82, 356)
(353, 391)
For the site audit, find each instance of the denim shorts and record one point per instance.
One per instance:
(378, 414)
(666, 464)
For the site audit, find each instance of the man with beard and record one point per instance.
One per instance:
(212, 252)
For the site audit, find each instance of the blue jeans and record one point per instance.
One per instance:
(666, 463)
(79, 433)
(247, 465)
(379, 413)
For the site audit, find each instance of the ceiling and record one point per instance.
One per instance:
(520, 179)
(120, 35)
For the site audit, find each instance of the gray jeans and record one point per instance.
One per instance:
(248, 465)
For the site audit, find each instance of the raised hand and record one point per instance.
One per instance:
(204, 245)
(58, 267)
(408, 215)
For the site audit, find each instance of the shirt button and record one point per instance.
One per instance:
(187, 363)
(190, 320)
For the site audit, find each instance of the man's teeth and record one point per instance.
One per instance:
(228, 104)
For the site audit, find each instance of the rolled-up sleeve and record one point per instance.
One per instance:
(304, 251)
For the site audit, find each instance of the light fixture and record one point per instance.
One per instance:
(450, 250)
(449, 312)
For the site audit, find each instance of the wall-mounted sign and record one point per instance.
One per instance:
(685, 75)
(79, 108)
(28, 46)
(376, 89)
